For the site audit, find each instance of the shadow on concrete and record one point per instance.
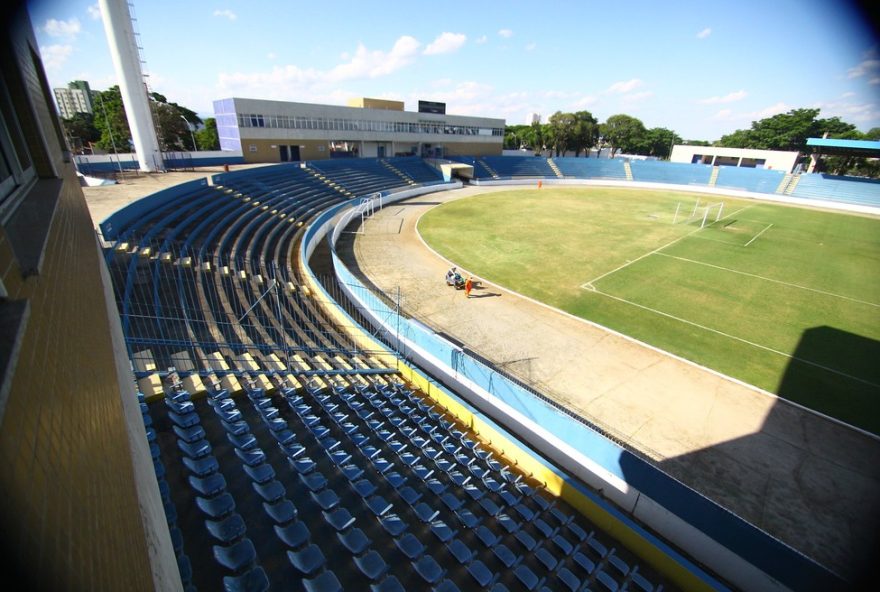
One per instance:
(807, 480)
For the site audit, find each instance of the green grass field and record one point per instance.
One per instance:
(784, 298)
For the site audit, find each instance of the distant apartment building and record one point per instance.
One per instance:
(76, 98)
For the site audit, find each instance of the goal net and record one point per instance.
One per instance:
(702, 214)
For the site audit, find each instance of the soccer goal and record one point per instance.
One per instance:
(702, 215)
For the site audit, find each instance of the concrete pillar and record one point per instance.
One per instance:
(126, 62)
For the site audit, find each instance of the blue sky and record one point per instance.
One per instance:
(703, 69)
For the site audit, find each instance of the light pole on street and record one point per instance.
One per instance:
(195, 146)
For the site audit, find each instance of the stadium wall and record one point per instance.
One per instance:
(736, 550)
(81, 508)
(111, 163)
(724, 192)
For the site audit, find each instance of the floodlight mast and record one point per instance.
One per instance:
(127, 64)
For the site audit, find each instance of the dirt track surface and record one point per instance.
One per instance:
(808, 481)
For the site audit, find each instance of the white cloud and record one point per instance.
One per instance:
(874, 80)
(869, 66)
(847, 95)
(704, 33)
(531, 46)
(271, 55)
(284, 82)
(723, 115)
(226, 13)
(728, 98)
(506, 33)
(446, 43)
(625, 86)
(585, 101)
(372, 64)
(770, 111)
(481, 40)
(94, 11)
(56, 28)
(54, 56)
(637, 97)
(849, 112)
(865, 67)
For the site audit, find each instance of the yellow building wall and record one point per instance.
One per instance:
(71, 514)
(365, 103)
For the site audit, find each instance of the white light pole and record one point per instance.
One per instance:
(195, 146)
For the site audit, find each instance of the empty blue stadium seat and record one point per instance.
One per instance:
(281, 511)
(295, 535)
(307, 560)
(324, 582)
(253, 580)
(227, 530)
(371, 564)
(236, 557)
(355, 540)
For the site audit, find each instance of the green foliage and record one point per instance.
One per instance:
(561, 131)
(172, 131)
(789, 131)
(586, 132)
(207, 137)
(111, 122)
(715, 296)
(623, 132)
(658, 141)
(80, 131)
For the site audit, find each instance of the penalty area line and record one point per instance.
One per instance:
(766, 279)
(735, 338)
(757, 235)
(589, 285)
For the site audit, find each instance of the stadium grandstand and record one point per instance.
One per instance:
(202, 396)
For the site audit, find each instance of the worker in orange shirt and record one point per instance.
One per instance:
(468, 285)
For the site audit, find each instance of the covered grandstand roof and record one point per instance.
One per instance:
(868, 148)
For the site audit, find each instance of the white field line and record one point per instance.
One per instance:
(740, 339)
(589, 285)
(757, 235)
(766, 279)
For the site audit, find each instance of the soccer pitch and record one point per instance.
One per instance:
(781, 297)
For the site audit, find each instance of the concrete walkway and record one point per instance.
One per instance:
(808, 481)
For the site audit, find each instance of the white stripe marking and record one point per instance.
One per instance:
(589, 285)
(740, 339)
(766, 279)
(757, 235)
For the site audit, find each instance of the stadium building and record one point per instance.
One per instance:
(277, 131)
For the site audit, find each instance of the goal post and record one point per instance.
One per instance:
(702, 215)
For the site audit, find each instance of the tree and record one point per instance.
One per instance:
(111, 122)
(80, 131)
(561, 127)
(207, 137)
(172, 131)
(586, 132)
(623, 132)
(515, 136)
(788, 131)
(658, 142)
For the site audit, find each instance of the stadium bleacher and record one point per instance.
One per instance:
(747, 179)
(654, 171)
(854, 190)
(518, 167)
(591, 168)
(272, 430)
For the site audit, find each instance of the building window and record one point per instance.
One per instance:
(17, 172)
(252, 147)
